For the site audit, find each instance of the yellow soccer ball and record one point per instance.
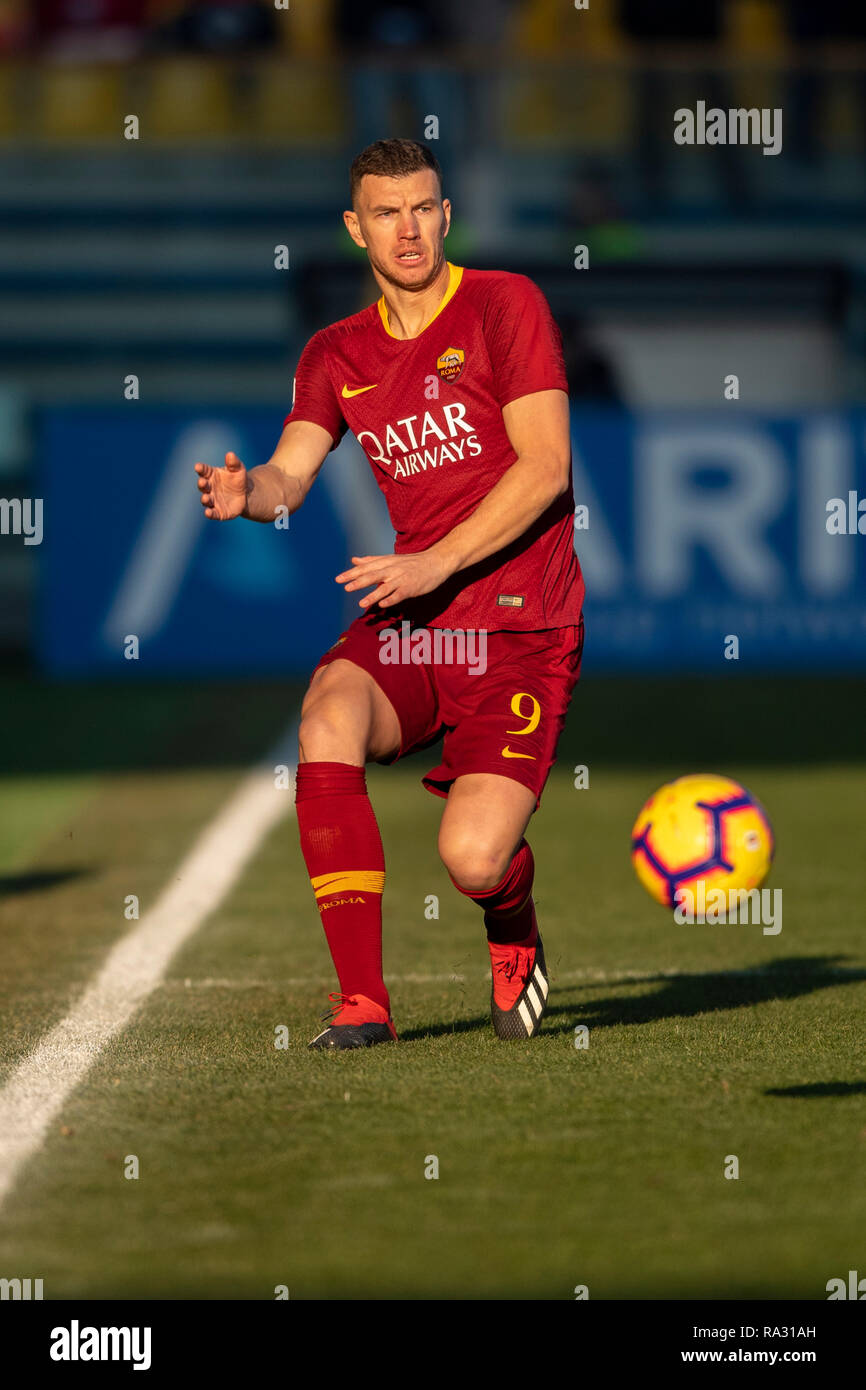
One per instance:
(701, 827)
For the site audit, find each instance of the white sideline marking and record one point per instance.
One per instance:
(42, 1082)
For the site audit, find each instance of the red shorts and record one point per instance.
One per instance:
(499, 698)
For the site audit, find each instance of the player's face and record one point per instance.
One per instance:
(402, 223)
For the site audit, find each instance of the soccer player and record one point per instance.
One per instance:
(453, 384)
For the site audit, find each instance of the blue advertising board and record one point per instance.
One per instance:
(702, 527)
(691, 529)
(127, 551)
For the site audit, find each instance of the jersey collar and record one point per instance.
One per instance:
(455, 275)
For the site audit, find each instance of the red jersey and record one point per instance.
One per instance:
(427, 411)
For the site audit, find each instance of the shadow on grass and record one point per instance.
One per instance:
(685, 996)
(11, 885)
(441, 1030)
(815, 1090)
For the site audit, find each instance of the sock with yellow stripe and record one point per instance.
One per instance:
(342, 848)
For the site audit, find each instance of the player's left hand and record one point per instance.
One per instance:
(396, 577)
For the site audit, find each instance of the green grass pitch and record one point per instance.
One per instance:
(558, 1166)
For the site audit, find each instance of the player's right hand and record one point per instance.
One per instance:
(223, 490)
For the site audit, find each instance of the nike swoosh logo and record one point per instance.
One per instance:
(507, 753)
(356, 390)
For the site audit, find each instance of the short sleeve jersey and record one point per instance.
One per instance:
(427, 411)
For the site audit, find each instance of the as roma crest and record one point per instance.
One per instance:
(450, 364)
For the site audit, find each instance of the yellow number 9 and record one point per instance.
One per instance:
(531, 718)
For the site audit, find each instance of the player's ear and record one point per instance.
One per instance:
(446, 208)
(353, 227)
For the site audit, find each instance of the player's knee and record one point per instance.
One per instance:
(334, 723)
(473, 865)
(317, 734)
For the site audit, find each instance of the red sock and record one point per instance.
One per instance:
(342, 847)
(508, 908)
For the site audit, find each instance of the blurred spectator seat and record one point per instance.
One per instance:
(296, 102)
(379, 26)
(89, 30)
(821, 105)
(562, 106)
(189, 98)
(227, 27)
(754, 31)
(670, 38)
(9, 113)
(754, 28)
(75, 102)
(672, 21)
(809, 23)
(308, 29)
(551, 26)
(398, 71)
(13, 25)
(583, 108)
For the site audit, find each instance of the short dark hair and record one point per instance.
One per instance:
(393, 159)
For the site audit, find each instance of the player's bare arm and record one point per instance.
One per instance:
(538, 429)
(258, 493)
